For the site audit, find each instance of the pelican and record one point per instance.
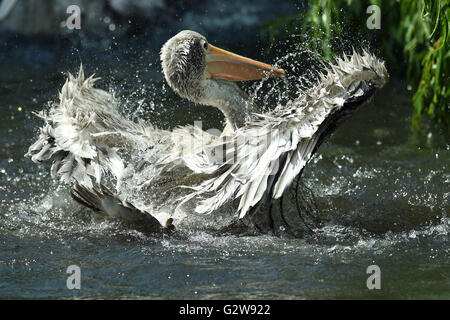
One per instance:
(89, 140)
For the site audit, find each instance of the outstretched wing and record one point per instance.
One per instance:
(85, 133)
(265, 156)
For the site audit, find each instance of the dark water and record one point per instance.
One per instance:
(381, 196)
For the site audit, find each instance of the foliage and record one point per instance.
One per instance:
(429, 67)
(414, 39)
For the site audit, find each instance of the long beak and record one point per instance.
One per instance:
(222, 64)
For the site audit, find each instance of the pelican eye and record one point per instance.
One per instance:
(204, 44)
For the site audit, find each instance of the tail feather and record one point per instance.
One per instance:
(105, 202)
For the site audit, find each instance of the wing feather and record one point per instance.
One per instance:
(273, 148)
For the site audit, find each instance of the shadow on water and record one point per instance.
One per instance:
(380, 198)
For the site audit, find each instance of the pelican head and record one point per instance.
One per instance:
(205, 74)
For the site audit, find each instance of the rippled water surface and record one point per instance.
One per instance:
(380, 196)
